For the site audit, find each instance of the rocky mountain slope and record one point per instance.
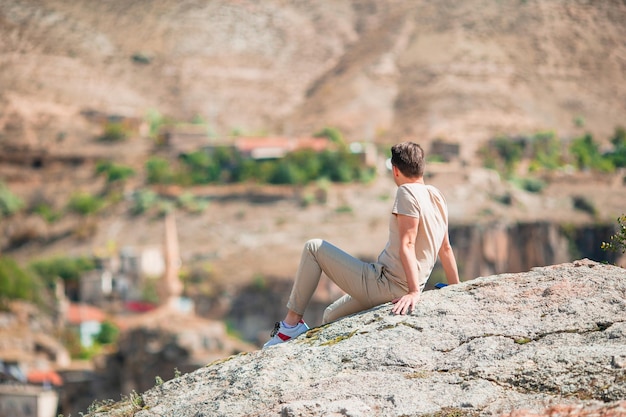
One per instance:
(554, 335)
(378, 70)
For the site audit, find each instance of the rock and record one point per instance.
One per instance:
(551, 337)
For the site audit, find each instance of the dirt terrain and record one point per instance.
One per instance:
(378, 70)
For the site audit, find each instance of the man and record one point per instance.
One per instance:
(418, 233)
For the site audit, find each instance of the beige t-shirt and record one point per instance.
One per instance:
(426, 203)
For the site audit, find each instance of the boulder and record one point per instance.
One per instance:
(527, 343)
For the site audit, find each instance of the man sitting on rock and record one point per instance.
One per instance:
(418, 233)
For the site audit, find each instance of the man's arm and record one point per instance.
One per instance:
(448, 261)
(407, 227)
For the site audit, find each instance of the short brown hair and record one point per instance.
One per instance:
(408, 157)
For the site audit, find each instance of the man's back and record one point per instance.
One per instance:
(426, 203)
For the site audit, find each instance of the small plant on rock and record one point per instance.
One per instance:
(618, 240)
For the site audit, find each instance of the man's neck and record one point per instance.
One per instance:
(410, 180)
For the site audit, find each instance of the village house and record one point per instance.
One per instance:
(27, 401)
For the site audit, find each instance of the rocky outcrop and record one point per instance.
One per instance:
(527, 341)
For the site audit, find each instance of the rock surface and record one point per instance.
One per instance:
(554, 336)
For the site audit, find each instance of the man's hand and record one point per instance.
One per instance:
(406, 303)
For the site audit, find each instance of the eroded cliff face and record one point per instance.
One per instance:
(554, 335)
(494, 248)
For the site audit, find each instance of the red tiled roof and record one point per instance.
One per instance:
(248, 144)
(40, 377)
(79, 313)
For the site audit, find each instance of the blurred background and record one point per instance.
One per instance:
(163, 162)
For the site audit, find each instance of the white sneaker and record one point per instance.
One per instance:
(282, 334)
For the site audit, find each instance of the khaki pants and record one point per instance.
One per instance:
(365, 283)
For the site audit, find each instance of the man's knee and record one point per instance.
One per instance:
(313, 245)
(332, 313)
(328, 316)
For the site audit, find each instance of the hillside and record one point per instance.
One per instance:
(378, 70)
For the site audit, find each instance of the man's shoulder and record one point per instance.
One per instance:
(415, 188)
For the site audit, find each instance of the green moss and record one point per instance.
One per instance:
(338, 339)
(453, 412)
(224, 360)
(125, 408)
(417, 375)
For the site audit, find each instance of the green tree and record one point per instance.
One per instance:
(287, 172)
(201, 168)
(308, 162)
(246, 170)
(108, 333)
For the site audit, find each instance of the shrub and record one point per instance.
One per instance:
(201, 168)
(141, 58)
(503, 154)
(114, 172)
(47, 212)
(219, 165)
(546, 151)
(165, 207)
(114, 132)
(17, 283)
(108, 333)
(618, 155)
(158, 171)
(532, 185)
(587, 155)
(155, 122)
(332, 134)
(84, 203)
(618, 240)
(287, 172)
(143, 200)
(9, 202)
(579, 121)
(191, 203)
(583, 204)
(68, 269)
